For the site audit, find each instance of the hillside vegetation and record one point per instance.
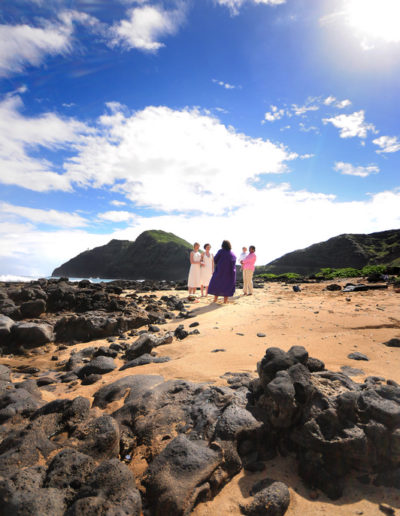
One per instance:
(347, 250)
(155, 254)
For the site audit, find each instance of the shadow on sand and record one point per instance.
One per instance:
(284, 469)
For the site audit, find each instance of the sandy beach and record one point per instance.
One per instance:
(234, 337)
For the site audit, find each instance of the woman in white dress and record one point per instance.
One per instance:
(206, 269)
(194, 271)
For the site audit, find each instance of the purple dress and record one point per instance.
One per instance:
(223, 280)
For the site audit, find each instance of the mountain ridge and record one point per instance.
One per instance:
(346, 250)
(155, 254)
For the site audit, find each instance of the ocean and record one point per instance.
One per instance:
(12, 277)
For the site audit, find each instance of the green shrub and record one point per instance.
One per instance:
(289, 275)
(368, 270)
(266, 276)
(397, 281)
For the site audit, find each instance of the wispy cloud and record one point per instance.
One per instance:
(225, 85)
(117, 216)
(118, 203)
(352, 125)
(331, 100)
(20, 134)
(301, 110)
(56, 218)
(235, 5)
(387, 144)
(348, 169)
(24, 45)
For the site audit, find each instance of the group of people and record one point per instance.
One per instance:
(217, 274)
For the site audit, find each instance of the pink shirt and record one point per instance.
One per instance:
(249, 262)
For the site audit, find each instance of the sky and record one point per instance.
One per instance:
(272, 123)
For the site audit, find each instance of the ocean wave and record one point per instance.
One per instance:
(12, 277)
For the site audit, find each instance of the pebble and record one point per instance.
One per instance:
(261, 335)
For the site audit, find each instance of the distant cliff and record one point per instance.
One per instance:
(154, 254)
(348, 250)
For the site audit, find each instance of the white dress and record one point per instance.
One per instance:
(194, 271)
(206, 270)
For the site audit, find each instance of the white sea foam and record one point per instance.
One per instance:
(12, 277)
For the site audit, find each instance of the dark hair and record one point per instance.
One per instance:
(205, 245)
(226, 245)
(252, 247)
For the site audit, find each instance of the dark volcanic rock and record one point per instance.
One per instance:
(271, 498)
(393, 343)
(111, 490)
(6, 323)
(356, 355)
(96, 325)
(143, 345)
(180, 476)
(99, 365)
(143, 360)
(69, 469)
(133, 386)
(30, 335)
(332, 423)
(33, 308)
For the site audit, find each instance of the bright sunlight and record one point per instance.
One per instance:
(375, 18)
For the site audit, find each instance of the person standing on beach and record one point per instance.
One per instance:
(223, 280)
(243, 255)
(248, 265)
(206, 268)
(194, 271)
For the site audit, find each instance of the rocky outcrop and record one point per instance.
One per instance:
(68, 458)
(153, 255)
(348, 250)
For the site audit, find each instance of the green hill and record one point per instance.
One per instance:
(155, 254)
(348, 250)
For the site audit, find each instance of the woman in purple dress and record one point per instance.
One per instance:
(223, 280)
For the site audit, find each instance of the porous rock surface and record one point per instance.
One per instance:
(74, 457)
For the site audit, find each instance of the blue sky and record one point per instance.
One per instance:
(267, 122)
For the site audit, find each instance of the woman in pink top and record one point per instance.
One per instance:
(248, 265)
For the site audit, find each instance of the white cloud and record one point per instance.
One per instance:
(235, 5)
(118, 203)
(329, 100)
(22, 45)
(295, 226)
(387, 144)
(56, 218)
(225, 85)
(301, 110)
(145, 26)
(117, 216)
(274, 114)
(308, 129)
(174, 160)
(350, 170)
(20, 134)
(351, 125)
(343, 103)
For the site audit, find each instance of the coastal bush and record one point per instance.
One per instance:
(369, 270)
(279, 277)
(345, 272)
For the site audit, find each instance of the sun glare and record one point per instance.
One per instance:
(378, 19)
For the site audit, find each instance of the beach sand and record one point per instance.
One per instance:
(330, 325)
